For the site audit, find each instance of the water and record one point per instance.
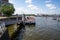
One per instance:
(45, 29)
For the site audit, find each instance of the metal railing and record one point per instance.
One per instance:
(11, 20)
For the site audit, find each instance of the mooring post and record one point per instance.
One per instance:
(23, 21)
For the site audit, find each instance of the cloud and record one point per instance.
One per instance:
(35, 9)
(51, 6)
(20, 10)
(32, 7)
(31, 10)
(11, 1)
(28, 1)
(47, 1)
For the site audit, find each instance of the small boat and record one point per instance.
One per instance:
(30, 20)
(56, 18)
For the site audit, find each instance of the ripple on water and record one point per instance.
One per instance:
(43, 30)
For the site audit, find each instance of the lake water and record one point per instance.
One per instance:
(45, 29)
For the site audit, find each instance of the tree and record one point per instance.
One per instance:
(7, 10)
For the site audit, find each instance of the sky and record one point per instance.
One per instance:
(36, 6)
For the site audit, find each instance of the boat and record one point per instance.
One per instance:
(30, 20)
(56, 18)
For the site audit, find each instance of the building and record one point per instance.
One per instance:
(4, 1)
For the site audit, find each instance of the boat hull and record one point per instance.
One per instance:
(30, 23)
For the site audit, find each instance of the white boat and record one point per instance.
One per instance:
(30, 20)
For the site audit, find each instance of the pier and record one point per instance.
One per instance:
(9, 27)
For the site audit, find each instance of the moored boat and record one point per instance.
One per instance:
(30, 20)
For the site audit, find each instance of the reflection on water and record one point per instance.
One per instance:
(45, 29)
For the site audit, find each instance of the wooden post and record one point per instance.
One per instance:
(23, 17)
